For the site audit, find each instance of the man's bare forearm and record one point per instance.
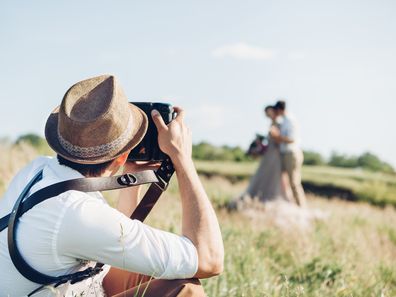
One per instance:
(129, 197)
(128, 200)
(282, 139)
(199, 221)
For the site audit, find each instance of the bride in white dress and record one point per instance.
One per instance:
(266, 184)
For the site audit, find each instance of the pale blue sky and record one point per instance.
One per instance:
(223, 61)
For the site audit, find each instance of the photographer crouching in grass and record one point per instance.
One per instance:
(93, 132)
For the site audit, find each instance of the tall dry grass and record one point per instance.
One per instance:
(377, 188)
(12, 159)
(351, 251)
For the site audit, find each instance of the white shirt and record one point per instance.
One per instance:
(56, 236)
(289, 128)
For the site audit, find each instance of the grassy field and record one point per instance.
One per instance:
(374, 187)
(349, 250)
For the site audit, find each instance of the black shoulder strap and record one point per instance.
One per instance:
(159, 180)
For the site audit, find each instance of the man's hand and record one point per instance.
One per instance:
(174, 139)
(275, 134)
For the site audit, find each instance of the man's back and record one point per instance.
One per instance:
(62, 234)
(289, 128)
(93, 131)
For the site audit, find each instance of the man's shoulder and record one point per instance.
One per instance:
(291, 116)
(33, 167)
(38, 162)
(74, 196)
(290, 119)
(74, 209)
(20, 180)
(53, 173)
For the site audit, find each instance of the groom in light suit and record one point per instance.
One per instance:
(291, 154)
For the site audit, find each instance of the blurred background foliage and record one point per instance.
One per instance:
(208, 152)
(350, 252)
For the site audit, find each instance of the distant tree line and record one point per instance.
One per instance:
(369, 161)
(207, 151)
(366, 160)
(38, 143)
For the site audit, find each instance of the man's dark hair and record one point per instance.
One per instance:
(280, 105)
(88, 170)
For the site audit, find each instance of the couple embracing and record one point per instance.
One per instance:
(279, 173)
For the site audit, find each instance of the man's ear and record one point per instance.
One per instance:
(120, 161)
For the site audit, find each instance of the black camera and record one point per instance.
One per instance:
(148, 149)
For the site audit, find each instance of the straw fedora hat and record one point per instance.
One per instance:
(95, 122)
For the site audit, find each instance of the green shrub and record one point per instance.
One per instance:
(372, 162)
(36, 141)
(367, 161)
(33, 139)
(206, 151)
(313, 158)
(340, 160)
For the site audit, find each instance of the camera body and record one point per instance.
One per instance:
(148, 149)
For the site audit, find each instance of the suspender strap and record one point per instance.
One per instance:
(159, 182)
(80, 184)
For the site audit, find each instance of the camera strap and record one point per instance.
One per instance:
(159, 181)
(164, 174)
